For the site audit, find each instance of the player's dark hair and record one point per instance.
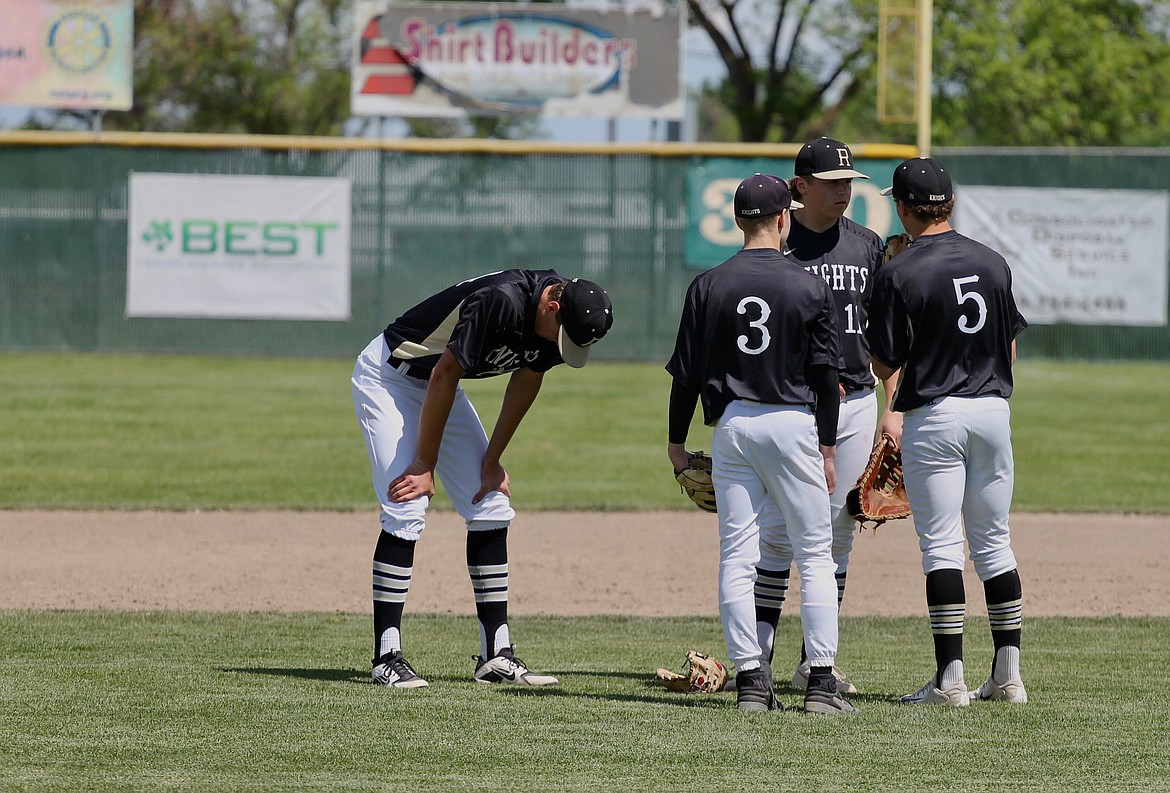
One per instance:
(931, 213)
(794, 189)
(557, 290)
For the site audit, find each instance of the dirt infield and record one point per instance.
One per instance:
(638, 564)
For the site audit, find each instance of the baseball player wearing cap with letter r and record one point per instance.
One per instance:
(408, 400)
(845, 254)
(757, 345)
(943, 312)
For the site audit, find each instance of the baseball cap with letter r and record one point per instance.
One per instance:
(921, 180)
(761, 195)
(586, 315)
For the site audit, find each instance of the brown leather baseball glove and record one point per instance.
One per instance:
(695, 481)
(895, 244)
(880, 493)
(702, 675)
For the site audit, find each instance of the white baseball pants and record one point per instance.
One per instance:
(768, 456)
(388, 405)
(856, 425)
(957, 461)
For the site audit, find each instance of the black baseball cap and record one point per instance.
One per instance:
(826, 158)
(762, 195)
(921, 180)
(586, 316)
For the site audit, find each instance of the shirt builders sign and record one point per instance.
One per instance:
(449, 59)
(55, 53)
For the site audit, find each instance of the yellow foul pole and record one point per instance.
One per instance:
(924, 85)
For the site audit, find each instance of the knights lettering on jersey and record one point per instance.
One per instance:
(842, 277)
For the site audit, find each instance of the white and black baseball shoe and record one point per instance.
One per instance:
(932, 693)
(1009, 691)
(505, 667)
(393, 671)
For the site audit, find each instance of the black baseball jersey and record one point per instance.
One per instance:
(943, 310)
(750, 329)
(488, 323)
(845, 255)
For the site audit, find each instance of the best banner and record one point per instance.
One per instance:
(238, 247)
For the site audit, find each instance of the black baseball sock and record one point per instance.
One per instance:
(1005, 612)
(946, 601)
(487, 564)
(393, 565)
(771, 590)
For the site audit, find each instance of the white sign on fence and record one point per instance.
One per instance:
(238, 247)
(1082, 256)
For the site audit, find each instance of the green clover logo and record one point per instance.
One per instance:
(159, 234)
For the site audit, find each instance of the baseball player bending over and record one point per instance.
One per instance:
(418, 422)
(943, 311)
(757, 345)
(845, 254)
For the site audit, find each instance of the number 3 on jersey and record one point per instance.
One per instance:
(963, 297)
(745, 342)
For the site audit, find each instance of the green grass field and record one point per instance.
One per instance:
(190, 701)
(126, 432)
(102, 701)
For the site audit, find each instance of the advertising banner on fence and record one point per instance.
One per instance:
(57, 53)
(451, 59)
(238, 247)
(1086, 257)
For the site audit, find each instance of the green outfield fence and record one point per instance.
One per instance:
(428, 213)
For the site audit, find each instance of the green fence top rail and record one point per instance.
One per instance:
(890, 151)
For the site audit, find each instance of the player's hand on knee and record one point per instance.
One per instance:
(493, 477)
(415, 481)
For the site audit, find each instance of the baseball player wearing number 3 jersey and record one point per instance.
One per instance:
(757, 344)
(845, 254)
(943, 311)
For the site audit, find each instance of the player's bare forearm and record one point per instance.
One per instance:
(891, 420)
(523, 386)
(882, 371)
(436, 409)
(419, 478)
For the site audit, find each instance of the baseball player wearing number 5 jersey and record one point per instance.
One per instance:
(408, 400)
(757, 344)
(943, 311)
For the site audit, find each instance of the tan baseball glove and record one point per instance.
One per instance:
(895, 244)
(695, 481)
(703, 675)
(880, 493)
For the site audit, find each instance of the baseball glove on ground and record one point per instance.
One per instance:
(703, 675)
(895, 244)
(695, 481)
(880, 493)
